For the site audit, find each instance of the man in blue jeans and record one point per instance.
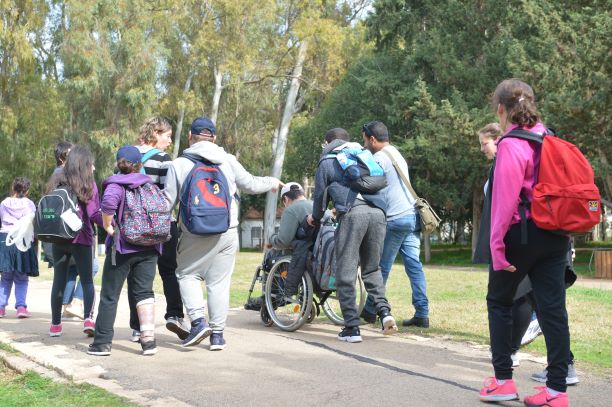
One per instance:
(403, 224)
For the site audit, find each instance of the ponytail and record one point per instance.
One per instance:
(518, 100)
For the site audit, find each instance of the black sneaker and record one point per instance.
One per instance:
(216, 341)
(177, 326)
(389, 327)
(99, 349)
(416, 321)
(350, 334)
(149, 348)
(367, 316)
(199, 331)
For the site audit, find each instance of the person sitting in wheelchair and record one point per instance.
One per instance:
(294, 233)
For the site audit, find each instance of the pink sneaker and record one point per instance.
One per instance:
(2, 312)
(89, 327)
(22, 312)
(55, 330)
(544, 399)
(492, 391)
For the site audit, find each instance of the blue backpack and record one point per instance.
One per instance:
(205, 199)
(361, 172)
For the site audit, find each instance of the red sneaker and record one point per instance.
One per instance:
(2, 312)
(492, 391)
(89, 327)
(543, 398)
(22, 312)
(55, 330)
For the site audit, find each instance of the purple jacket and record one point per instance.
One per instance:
(91, 214)
(112, 204)
(13, 209)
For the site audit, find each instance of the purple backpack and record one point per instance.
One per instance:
(145, 220)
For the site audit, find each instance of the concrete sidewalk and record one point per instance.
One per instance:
(267, 367)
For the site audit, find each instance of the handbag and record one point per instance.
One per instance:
(429, 218)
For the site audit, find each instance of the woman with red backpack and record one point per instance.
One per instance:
(129, 254)
(518, 247)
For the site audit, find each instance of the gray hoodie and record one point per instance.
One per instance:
(237, 177)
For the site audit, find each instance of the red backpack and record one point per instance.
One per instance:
(565, 197)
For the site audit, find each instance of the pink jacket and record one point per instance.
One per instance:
(515, 174)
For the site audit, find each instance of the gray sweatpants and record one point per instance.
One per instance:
(359, 239)
(210, 259)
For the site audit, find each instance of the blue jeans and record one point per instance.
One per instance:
(7, 279)
(404, 236)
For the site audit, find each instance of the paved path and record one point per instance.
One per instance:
(266, 367)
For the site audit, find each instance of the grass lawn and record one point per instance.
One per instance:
(458, 308)
(32, 390)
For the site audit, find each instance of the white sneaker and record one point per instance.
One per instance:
(571, 379)
(516, 361)
(533, 331)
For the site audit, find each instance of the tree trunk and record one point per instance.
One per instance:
(214, 111)
(281, 143)
(427, 247)
(179, 124)
(477, 196)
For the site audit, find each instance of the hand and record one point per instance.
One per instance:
(310, 220)
(510, 268)
(278, 186)
(268, 246)
(110, 230)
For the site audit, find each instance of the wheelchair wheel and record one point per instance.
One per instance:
(313, 313)
(331, 306)
(287, 312)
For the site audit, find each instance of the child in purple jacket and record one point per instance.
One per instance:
(15, 265)
(125, 261)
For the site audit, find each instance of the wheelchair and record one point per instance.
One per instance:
(290, 312)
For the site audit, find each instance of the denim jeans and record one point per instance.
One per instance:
(7, 279)
(404, 236)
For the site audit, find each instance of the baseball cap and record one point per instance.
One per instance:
(201, 124)
(291, 186)
(129, 153)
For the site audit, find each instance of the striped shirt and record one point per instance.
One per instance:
(156, 167)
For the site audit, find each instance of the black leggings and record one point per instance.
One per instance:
(82, 255)
(544, 260)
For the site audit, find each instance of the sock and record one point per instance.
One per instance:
(553, 392)
(500, 382)
(146, 316)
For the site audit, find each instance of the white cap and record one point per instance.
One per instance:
(288, 187)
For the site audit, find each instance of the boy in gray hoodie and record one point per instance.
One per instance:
(209, 258)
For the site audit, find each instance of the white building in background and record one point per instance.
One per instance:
(251, 228)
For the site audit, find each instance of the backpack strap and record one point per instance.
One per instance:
(399, 171)
(526, 135)
(146, 156)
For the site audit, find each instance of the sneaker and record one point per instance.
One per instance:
(2, 312)
(533, 331)
(571, 379)
(74, 310)
(89, 327)
(216, 341)
(177, 326)
(22, 312)
(416, 321)
(543, 398)
(99, 349)
(149, 348)
(367, 316)
(135, 336)
(55, 330)
(493, 391)
(389, 327)
(350, 334)
(199, 331)
(516, 361)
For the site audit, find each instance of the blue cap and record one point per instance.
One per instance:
(129, 153)
(202, 124)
